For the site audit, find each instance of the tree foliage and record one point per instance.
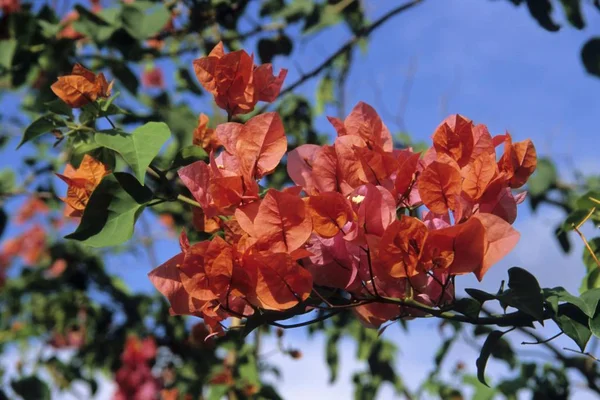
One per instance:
(347, 238)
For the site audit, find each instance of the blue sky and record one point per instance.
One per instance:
(487, 60)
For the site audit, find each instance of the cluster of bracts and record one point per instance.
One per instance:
(350, 224)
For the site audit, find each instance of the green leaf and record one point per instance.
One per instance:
(480, 295)
(332, 357)
(125, 76)
(586, 203)
(324, 94)
(578, 332)
(269, 48)
(481, 392)
(563, 239)
(559, 294)
(590, 281)
(217, 392)
(594, 324)
(31, 388)
(3, 221)
(591, 299)
(7, 180)
(98, 26)
(486, 351)
(144, 19)
(572, 10)
(442, 351)
(544, 177)
(468, 307)
(7, 51)
(186, 83)
(111, 212)
(189, 155)
(58, 106)
(524, 294)
(43, 124)
(139, 148)
(590, 56)
(588, 260)
(541, 10)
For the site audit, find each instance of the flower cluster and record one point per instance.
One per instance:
(134, 378)
(351, 221)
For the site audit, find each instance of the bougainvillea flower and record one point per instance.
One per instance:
(518, 161)
(364, 122)
(82, 182)
(29, 245)
(32, 206)
(10, 6)
(204, 136)
(454, 137)
(81, 87)
(235, 82)
(351, 224)
(153, 77)
(401, 246)
(134, 378)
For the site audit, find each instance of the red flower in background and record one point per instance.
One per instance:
(10, 6)
(32, 206)
(134, 378)
(153, 78)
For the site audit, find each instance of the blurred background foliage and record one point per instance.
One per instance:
(58, 294)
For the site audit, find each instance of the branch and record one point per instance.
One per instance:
(346, 47)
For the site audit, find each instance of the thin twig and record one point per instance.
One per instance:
(582, 236)
(346, 47)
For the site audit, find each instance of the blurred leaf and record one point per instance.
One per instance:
(486, 351)
(590, 55)
(588, 260)
(144, 19)
(7, 180)
(7, 51)
(543, 178)
(332, 357)
(541, 10)
(325, 94)
(269, 7)
(43, 124)
(481, 392)
(572, 10)
(563, 239)
(113, 208)
(98, 26)
(139, 148)
(585, 202)
(268, 48)
(31, 388)
(185, 82)
(124, 75)
(188, 155)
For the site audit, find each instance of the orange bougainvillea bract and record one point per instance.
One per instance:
(351, 223)
(82, 182)
(235, 81)
(81, 87)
